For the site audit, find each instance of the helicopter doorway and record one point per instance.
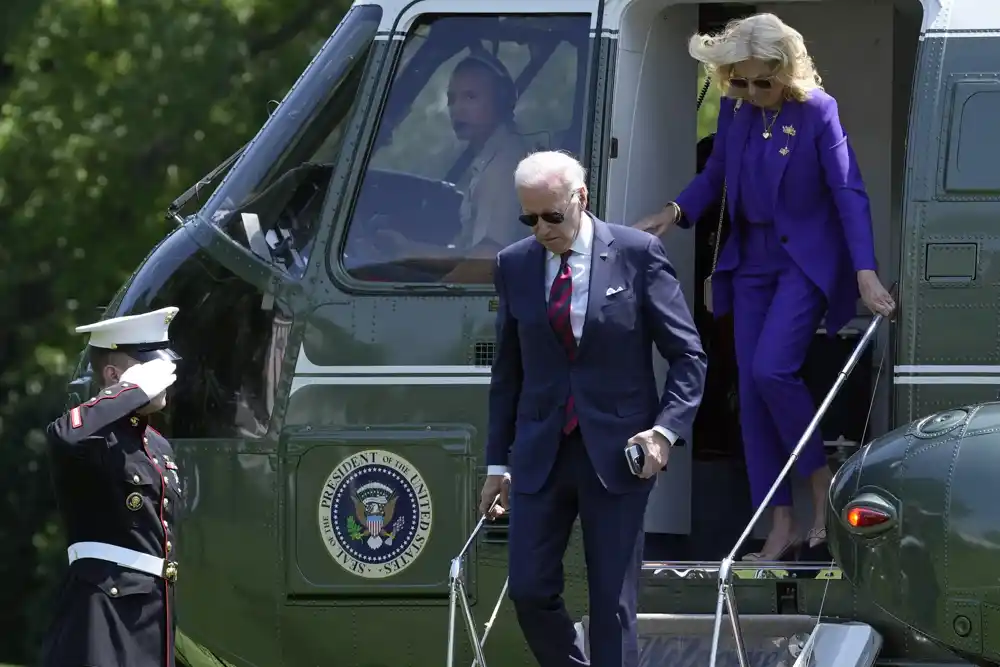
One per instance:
(865, 51)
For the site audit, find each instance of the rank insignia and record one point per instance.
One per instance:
(134, 501)
(134, 421)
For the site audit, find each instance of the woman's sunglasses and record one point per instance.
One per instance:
(742, 83)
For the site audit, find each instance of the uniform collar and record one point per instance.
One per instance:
(584, 241)
(492, 146)
(138, 422)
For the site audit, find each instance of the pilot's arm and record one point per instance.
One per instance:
(495, 204)
(86, 419)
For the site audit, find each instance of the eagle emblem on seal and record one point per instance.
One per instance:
(374, 511)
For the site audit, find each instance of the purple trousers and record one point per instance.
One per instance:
(776, 311)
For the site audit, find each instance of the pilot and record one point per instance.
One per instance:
(481, 101)
(118, 491)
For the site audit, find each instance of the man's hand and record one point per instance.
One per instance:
(657, 450)
(153, 377)
(495, 484)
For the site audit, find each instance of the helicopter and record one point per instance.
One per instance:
(329, 418)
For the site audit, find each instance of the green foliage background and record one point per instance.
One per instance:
(108, 111)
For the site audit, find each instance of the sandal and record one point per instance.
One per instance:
(816, 537)
(793, 546)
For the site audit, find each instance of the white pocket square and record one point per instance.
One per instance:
(614, 290)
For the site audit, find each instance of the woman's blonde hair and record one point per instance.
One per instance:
(761, 37)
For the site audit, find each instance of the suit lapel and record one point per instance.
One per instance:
(736, 144)
(602, 260)
(779, 149)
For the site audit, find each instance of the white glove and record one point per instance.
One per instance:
(153, 377)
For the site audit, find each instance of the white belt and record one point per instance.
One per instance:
(158, 567)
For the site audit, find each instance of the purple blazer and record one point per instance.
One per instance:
(821, 209)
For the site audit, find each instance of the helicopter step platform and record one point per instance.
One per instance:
(770, 640)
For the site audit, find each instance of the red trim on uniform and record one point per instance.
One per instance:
(166, 584)
(155, 431)
(75, 420)
(97, 399)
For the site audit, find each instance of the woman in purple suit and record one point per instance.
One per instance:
(800, 248)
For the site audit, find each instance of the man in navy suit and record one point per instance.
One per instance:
(581, 305)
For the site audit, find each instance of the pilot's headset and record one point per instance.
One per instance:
(506, 91)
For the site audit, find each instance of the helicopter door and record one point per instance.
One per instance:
(947, 329)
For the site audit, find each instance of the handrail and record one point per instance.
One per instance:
(459, 595)
(726, 568)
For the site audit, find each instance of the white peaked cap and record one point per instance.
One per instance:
(145, 329)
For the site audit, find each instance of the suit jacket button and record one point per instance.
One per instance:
(783, 239)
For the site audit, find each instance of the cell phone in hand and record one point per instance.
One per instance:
(636, 457)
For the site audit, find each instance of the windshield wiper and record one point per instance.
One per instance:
(173, 211)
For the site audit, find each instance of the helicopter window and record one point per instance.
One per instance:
(472, 96)
(279, 184)
(231, 349)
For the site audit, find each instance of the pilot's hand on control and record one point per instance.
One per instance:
(874, 294)
(495, 485)
(657, 450)
(153, 377)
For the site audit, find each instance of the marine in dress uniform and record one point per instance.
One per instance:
(118, 491)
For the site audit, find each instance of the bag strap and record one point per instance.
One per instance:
(722, 210)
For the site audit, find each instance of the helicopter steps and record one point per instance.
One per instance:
(771, 640)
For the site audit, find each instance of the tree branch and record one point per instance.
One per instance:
(288, 30)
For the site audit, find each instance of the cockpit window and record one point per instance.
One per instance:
(471, 97)
(271, 200)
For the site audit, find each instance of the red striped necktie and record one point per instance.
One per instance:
(560, 296)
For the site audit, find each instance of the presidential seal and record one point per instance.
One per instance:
(375, 514)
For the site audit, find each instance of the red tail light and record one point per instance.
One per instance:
(866, 517)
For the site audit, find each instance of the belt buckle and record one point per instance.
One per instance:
(170, 571)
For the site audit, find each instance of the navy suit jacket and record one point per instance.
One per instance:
(612, 376)
(821, 211)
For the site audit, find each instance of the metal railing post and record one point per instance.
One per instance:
(727, 596)
(458, 597)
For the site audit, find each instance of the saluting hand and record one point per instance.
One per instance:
(153, 377)
(875, 297)
(657, 450)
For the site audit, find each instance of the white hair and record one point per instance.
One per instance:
(550, 168)
(760, 37)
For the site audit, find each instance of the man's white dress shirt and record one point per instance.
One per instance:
(579, 264)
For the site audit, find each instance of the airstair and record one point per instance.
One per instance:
(723, 639)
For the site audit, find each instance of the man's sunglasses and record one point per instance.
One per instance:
(551, 217)
(742, 83)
